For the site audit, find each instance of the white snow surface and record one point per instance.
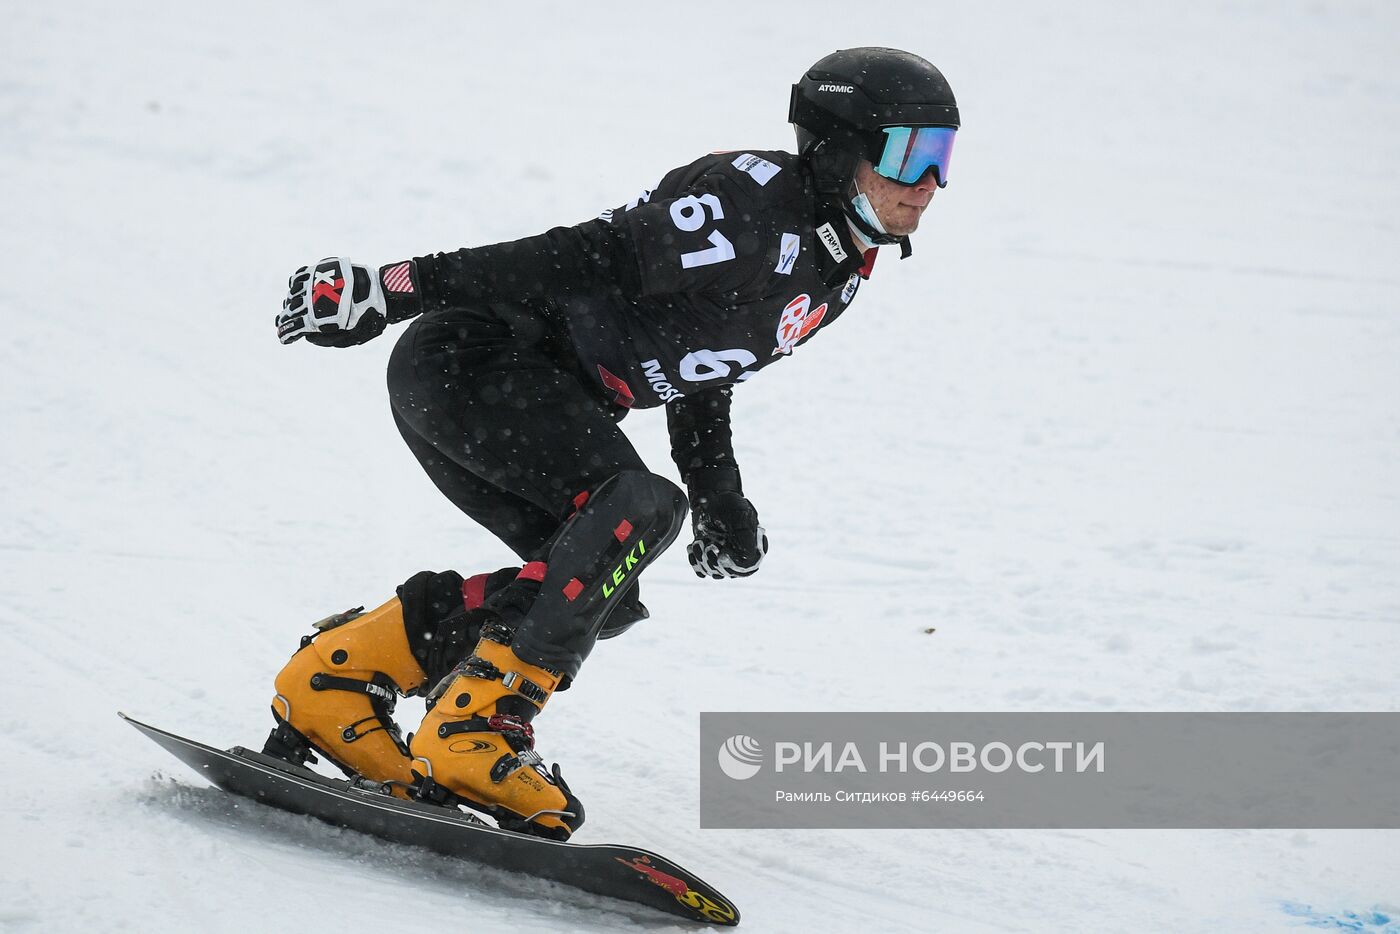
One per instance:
(1123, 434)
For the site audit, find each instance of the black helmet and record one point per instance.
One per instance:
(845, 106)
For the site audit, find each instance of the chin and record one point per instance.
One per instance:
(907, 227)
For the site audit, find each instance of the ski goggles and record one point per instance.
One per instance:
(909, 152)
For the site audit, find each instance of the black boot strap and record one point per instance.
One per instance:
(517, 733)
(478, 667)
(353, 732)
(380, 688)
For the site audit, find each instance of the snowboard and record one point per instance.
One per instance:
(621, 872)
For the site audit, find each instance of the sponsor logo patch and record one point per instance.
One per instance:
(471, 745)
(838, 88)
(827, 235)
(849, 292)
(619, 573)
(787, 253)
(326, 289)
(798, 320)
(660, 385)
(761, 169)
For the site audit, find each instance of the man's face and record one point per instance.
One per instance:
(899, 207)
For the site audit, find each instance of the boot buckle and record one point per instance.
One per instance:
(338, 619)
(525, 687)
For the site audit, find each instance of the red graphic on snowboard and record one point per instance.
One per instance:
(709, 908)
(670, 883)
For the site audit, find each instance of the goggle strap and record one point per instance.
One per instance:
(827, 125)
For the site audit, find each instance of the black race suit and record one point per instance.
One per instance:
(509, 386)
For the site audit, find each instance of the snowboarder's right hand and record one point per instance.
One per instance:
(333, 303)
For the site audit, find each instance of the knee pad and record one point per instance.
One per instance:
(594, 562)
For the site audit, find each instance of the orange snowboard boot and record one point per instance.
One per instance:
(337, 696)
(476, 744)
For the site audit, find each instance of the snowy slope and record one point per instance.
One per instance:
(1125, 436)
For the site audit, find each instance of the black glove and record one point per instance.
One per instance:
(333, 303)
(729, 542)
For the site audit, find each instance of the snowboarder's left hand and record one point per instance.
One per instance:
(333, 303)
(729, 542)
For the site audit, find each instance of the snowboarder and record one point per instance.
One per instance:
(508, 387)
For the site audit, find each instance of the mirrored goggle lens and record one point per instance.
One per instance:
(912, 151)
